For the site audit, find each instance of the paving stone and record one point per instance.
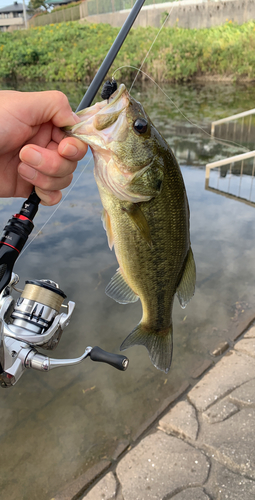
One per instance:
(220, 411)
(145, 426)
(181, 419)
(250, 333)
(224, 484)
(231, 441)
(247, 346)
(231, 371)
(104, 490)
(244, 394)
(191, 494)
(159, 465)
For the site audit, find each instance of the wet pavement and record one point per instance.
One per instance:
(200, 448)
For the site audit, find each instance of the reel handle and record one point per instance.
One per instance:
(116, 360)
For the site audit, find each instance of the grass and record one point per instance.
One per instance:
(73, 52)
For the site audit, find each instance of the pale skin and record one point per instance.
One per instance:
(33, 149)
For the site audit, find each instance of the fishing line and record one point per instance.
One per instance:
(150, 49)
(217, 139)
(57, 207)
(139, 70)
(62, 201)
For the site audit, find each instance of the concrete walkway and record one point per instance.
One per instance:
(203, 448)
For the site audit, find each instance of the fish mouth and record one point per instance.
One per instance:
(97, 123)
(105, 106)
(115, 96)
(117, 102)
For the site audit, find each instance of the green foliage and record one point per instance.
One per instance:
(67, 6)
(163, 17)
(37, 4)
(73, 52)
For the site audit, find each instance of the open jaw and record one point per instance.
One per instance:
(98, 126)
(111, 105)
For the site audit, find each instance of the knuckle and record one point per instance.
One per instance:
(60, 97)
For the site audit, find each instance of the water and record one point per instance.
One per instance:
(55, 425)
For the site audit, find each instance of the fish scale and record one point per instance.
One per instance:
(146, 217)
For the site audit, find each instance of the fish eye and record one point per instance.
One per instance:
(140, 125)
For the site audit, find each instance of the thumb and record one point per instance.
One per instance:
(50, 105)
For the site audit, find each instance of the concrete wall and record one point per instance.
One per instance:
(186, 14)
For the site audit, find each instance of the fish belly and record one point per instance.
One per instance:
(152, 271)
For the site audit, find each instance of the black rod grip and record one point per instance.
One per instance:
(116, 360)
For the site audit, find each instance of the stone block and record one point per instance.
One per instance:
(158, 466)
(145, 426)
(104, 489)
(250, 333)
(247, 346)
(191, 494)
(182, 420)
(245, 394)
(224, 484)
(220, 411)
(231, 371)
(231, 441)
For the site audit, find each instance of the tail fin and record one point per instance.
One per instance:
(159, 345)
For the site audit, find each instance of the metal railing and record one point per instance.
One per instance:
(233, 118)
(230, 173)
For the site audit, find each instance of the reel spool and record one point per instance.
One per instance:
(37, 307)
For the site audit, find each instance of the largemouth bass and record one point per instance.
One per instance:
(146, 217)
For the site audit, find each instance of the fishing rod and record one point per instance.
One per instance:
(18, 228)
(34, 320)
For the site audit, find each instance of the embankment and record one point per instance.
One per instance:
(74, 51)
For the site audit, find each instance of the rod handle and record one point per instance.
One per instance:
(116, 360)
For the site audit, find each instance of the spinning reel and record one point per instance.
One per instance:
(35, 319)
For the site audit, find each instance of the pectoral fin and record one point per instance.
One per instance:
(119, 290)
(147, 181)
(136, 215)
(108, 228)
(186, 287)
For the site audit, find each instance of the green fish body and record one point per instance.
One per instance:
(146, 217)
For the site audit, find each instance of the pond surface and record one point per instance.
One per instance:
(55, 425)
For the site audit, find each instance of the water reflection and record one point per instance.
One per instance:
(55, 425)
(234, 179)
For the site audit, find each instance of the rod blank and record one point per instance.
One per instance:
(107, 62)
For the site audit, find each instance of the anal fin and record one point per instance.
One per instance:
(186, 287)
(119, 290)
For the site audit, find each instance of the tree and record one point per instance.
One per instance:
(37, 4)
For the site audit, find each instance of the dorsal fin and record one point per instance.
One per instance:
(186, 287)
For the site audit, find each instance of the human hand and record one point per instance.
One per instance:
(33, 149)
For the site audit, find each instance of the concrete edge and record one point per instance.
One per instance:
(88, 480)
